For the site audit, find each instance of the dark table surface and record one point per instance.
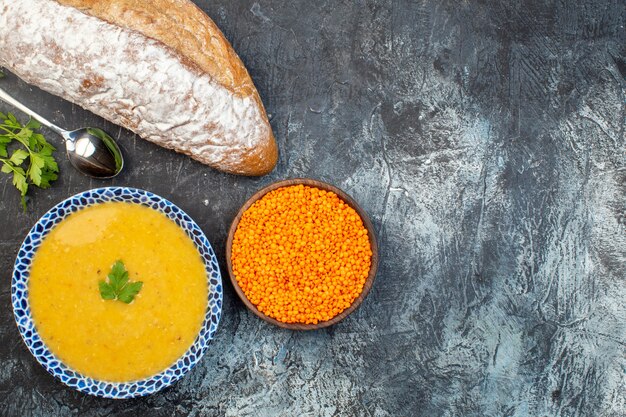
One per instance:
(485, 140)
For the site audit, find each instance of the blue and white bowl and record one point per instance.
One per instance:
(25, 324)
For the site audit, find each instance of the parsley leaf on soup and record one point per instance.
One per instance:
(118, 286)
(129, 292)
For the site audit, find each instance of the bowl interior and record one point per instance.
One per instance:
(348, 200)
(21, 308)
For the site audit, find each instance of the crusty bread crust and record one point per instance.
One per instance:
(160, 68)
(182, 26)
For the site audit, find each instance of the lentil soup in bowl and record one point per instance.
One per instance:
(301, 254)
(117, 292)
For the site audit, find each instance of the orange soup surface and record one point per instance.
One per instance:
(108, 339)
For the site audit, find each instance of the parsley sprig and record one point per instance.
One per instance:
(20, 143)
(118, 287)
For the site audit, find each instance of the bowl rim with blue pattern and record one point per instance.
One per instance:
(24, 320)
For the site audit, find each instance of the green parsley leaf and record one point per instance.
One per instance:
(12, 121)
(32, 148)
(41, 141)
(18, 157)
(129, 292)
(36, 166)
(33, 124)
(19, 180)
(106, 291)
(118, 276)
(47, 178)
(118, 287)
(49, 163)
(24, 134)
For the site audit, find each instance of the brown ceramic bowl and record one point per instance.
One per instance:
(348, 200)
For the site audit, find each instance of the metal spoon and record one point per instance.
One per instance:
(90, 150)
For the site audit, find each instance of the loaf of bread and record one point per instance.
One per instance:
(160, 68)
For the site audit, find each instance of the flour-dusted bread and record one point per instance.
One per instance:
(160, 68)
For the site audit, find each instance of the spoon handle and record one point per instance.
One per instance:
(4, 96)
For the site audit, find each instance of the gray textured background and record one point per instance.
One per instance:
(485, 139)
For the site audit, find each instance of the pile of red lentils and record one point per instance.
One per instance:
(301, 255)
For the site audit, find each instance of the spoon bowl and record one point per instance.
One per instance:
(93, 152)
